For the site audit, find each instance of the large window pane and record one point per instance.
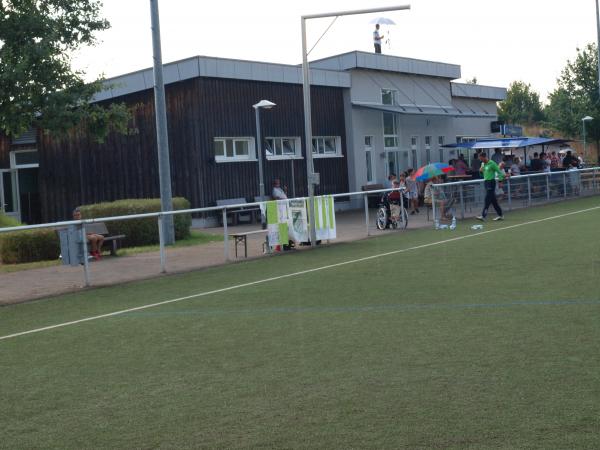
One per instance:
(387, 96)
(229, 148)
(390, 141)
(241, 148)
(270, 147)
(329, 145)
(289, 147)
(389, 124)
(219, 148)
(369, 166)
(25, 158)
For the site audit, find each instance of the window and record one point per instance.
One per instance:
(390, 130)
(285, 147)
(388, 97)
(428, 149)
(369, 158)
(24, 159)
(441, 150)
(323, 146)
(414, 147)
(234, 149)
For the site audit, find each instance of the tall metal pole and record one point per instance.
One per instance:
(312, 179)
(308, 138)
(598, 43)
(584, 144)
(162, 138)
(259, 149)
(598, 48)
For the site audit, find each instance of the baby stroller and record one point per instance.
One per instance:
(391, 212)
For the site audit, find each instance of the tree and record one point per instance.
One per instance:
(472, 80)
(522, 105)
(38, 87)
(577, 96)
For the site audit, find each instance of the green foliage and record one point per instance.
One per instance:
(38, 86)
(522, 105)
(6, 221)
(29, 246)
(577, 96)
(139, 232)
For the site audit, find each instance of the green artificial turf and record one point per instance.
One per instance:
(490, 341)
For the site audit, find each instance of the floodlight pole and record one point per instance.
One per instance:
(311, 177)
(162, 137)
(598, 42)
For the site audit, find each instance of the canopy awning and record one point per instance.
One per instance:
(518, 142)
(424, 110)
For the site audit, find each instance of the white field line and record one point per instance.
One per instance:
(289, 275)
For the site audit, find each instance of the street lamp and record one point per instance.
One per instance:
(311, 176)
(263, 104)
(583, 121)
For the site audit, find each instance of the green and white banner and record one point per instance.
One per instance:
(277, 222)
(325, 217)
(289, 220)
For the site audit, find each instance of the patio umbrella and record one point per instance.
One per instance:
(382, 21)
(432, 170)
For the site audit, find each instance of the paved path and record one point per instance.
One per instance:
(31, 284)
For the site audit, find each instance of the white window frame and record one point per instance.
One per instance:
(428, 149)
(245, 158)
(394, 93)
(13, 159)
(441, 142)
(414, 151)
(337, 143)
(394, 135)
(369, 156)
(297, 147)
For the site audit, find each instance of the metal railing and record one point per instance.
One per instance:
(520, 191)
(466, 198)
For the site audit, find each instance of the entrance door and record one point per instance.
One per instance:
(9, 193)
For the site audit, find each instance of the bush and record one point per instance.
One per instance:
(29, 246)
(139, 231)
(6, 222)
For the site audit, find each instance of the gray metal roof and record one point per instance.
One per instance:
(204, 66)
(423, 110)
(364, 60)
(478, 91)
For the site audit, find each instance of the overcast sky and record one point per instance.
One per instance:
(496, 41)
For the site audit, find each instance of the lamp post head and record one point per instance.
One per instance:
(587, 118)
(264, 104)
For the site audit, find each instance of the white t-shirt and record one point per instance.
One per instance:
(278, 193)
(376, 38)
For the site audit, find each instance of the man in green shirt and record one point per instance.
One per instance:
(489, 170)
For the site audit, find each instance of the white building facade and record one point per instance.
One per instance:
(401, 111)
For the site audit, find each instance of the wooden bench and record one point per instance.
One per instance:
(242, 238)
(373, 199)
(100, 228)
(236, 212)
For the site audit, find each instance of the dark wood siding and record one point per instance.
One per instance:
(77, 170)
(4, 152)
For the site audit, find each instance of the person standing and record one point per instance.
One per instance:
(489, 170)
(278, 193)
(377, 39)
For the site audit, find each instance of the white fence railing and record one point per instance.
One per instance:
(467, 197)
